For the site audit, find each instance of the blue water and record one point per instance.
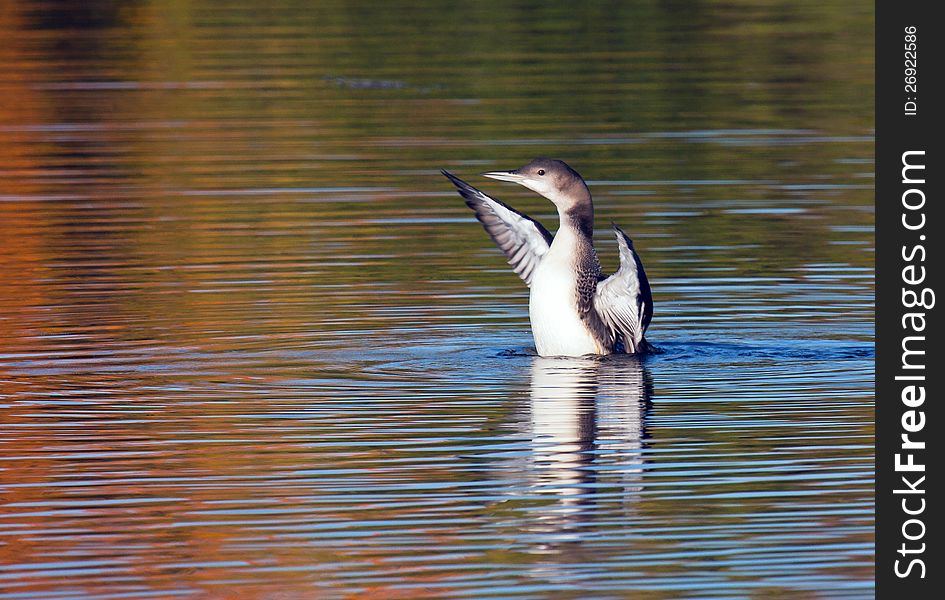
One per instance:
(252, 343)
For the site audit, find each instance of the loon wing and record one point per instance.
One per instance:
(523, 239)
(623, 300)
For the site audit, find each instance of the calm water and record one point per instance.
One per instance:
(253, 345)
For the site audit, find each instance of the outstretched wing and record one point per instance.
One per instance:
(623, 300)
(523, 239)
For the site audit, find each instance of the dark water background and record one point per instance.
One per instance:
(252, 344)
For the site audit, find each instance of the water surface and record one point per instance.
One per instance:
(253, 345)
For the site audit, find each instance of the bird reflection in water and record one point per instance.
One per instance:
(587, 432)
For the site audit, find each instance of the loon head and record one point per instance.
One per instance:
(553, 179)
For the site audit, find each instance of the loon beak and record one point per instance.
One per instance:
(512, 176)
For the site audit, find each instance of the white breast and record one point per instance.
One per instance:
(552, 306)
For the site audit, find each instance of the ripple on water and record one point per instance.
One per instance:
(251, 344)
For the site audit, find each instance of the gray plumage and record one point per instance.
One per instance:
(623, 300)
(523, 239)
(615, 310)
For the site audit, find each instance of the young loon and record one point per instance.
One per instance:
(574, 309)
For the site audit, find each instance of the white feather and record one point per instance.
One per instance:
(556, 325)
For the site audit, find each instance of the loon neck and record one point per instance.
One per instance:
(579, 217)
(574, 240)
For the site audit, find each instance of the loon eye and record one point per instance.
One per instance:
(541, 171)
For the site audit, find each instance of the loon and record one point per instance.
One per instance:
(574, 309)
